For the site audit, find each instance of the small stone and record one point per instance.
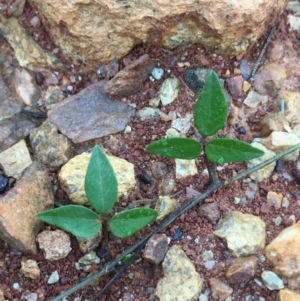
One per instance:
(275, 121)
(185, 168)
(156, 248)
(168, 184)
(159, 169)
(233, 114)
(154, 102)
(182, 125)
(279, 165)
(35, 21)
(128, 129)
(253, 99)
(246, 86)
(195, 78)
(55, 244)
(272, 281)
(277, 220)
(109, 70)
(169, 91)
(172, 133)
(242, 130)
(86, 245)
(89, 259)
(210, 211)
(287, 295)
(274, 199)
(235, 85)
(177, 235)
(3, 183)
(241, 270)
(30, 269)
(54, 277)
(207, 255)
(145, 178)
(157, 73)
(16, 286)
(203, 297)
(164, 206)
(30, 297)
(209, 264)
(39, 78)
(287, 222)
(219, 290)
(245, 69)
(285, 202)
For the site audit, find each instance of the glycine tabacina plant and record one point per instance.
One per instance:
(210, 114)
(101, 188)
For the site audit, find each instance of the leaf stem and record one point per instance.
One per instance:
(170, 219)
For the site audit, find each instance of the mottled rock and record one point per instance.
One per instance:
(287, 295)
(272, 281)
(129, 80)
(168, 184)
(210, 211)
(90, 114)
(164, 206)
(185, 168)
(30, 297)
(182, 125)
(275, 50)
(156, 248)
(89, 244)
(244, 233)
(148, 113)
(159, 169)
(169, 91)
(265, 172)
(181, 282)
(274, 199)
(109, 70)
(172, 133)
(18, 208)
(219, 290)
(253, 99)
(89, 259)
(235, 85)
(154, 102)
(233, 114)
(28, 53)
(54, 244)
(270, 79)
(242, 269)
(50, 147)
(275, 121)
(280, 141)
(13, 8)
(292, 106)
(15, 159)
(118, 27)
(283, 252)
(72, 174)
(14, 129)
(30, 269)
(245, 69)
(26, 87)
(195, 78)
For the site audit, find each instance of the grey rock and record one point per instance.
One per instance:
(253, 99)
(55, 244)
(181, 282)
(54, 277)
(156, 248)
(90, 114)
(49, 147)
(195, 78)
(89, 259)
(31, 297)
(31, 195)
(182, 125)
(109, 70)
(244, 233)
(245, 69)
(14, 129)
(169, 91)
(15, 159)
(272, 281)
(210, 211)
(185, 168)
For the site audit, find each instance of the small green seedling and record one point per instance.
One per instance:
(101, 188)
(210, 114)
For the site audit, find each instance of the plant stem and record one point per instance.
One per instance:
(105, 231)
(170, 219)
(211, 167)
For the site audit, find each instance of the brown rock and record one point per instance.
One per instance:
(235, 85)
(274, 199)
(241, 269)
(219, 290)
(18, 208)
(156, 248)
(117, 26)
(287, 295)
(275, 51)
(210, 211)
(129, 80)
(270, 79)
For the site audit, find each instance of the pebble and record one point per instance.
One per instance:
(157, 73)
(272, 281)
(178, 234)
(54, 277)
(3, 182)
(209, 264)
(16, 286)
(279, 166)
(207, 255)
(203, 297)
(39, 78)
(285, 202)
(245, 69)
(242, 130)
(277, 220)
(35, 21)
(145, 178)
(31, 297)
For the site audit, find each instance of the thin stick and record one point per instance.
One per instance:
(170, 219)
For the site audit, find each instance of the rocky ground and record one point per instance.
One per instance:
(219, 250)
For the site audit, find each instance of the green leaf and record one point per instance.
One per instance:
(210, 111)
(127, 223)
(229, 150)
(181, 148)
(78, 220)
(101, 185)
